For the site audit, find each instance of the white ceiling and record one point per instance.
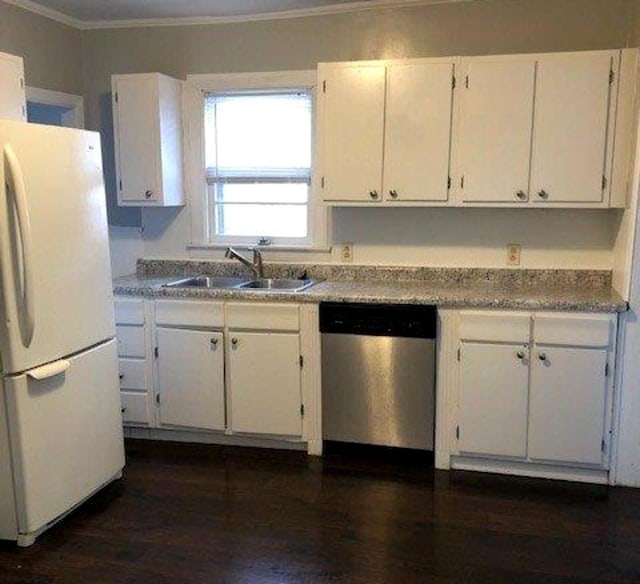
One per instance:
(101, 10)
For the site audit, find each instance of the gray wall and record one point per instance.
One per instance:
(52, 51)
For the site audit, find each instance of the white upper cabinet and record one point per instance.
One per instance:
(13, 104)
(385, 131)
(495, 129)
(352, 129)
(573, 94)
(147, 122)
(536, 129)
(417, 131)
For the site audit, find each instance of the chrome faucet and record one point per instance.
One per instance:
(256, 266)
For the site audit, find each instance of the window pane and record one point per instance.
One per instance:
(261, 220)
(261, 193)
(258, 132)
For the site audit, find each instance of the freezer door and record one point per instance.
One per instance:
(56, 295)
(65, 433)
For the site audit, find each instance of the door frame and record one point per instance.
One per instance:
(74, 118)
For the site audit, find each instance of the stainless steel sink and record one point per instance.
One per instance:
(278, 284)
(207, 282)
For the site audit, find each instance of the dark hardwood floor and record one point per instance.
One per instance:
(207, 514)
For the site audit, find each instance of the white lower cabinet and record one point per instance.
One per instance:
(264, 383)
(537, 394)
(190, 378)
(493, 399)
(264, 369)
(135, 362)
(232, 367)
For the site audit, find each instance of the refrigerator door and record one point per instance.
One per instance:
(65, 433)
(56, 294)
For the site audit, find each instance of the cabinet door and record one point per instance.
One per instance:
(495, 130)
(191, 378)
(12, 92)
(352, 132)
(493, 399)
(418, 132)
(264, 383)
(570, 131)
(135, 118)
(568, 395)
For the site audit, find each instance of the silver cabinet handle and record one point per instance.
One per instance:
(214, 343)
(121, 376)
(520, 355)
(521, 196)
(234, 343)
(148, 194)
(393, 194)
(373, 194)
(123, 410)
(544, 195)
(542, 356)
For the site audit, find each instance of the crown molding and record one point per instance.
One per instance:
(46, 12)
(355, 6)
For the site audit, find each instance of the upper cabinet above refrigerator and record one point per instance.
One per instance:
(147, 124)
(13, 104)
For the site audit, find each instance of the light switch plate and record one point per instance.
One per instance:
(346, 253)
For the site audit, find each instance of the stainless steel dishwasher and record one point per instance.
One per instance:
(378, 374)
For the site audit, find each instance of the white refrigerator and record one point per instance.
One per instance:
(60, 422)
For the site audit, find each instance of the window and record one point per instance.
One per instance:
(255, 172)
(258, 164)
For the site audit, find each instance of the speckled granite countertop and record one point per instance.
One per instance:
(588, 291)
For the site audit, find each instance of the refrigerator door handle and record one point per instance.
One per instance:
(49, 370)
(24, 224)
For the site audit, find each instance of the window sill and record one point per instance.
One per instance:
(296, 248)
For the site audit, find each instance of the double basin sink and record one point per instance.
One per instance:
(224, 283)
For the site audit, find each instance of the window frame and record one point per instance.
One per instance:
(196, 86)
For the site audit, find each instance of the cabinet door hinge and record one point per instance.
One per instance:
(604, 182)
(156, 352)
(606, 369)
(302, 410)
(612, 76)
(603, 446)
(459, 355)
(453, 82)
(120, 184)
(322, 182)
(466, 82)
(448, 183)
(462, 182)
(21, 83)
(324, 87)
(158, 398)
(116, 96)
(457, 432)
(301, 361)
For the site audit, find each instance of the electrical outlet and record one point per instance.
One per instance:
(513, 254)
(346, 253)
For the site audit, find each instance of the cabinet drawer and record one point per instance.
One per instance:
(130, 340)
(135, 408)
(500, 327)
(273, 317)
(129, 311)
(132, 374)
(190, 313)
(579, 330)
